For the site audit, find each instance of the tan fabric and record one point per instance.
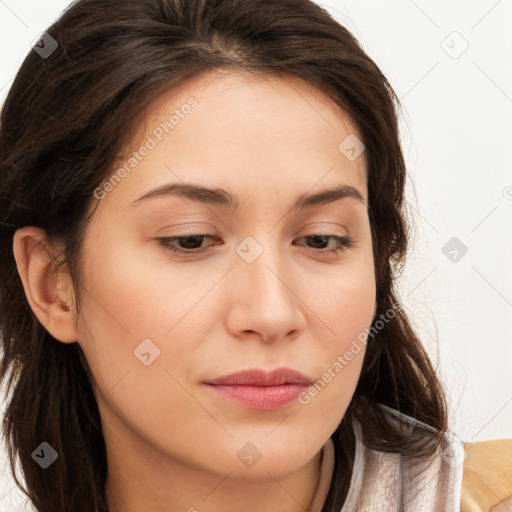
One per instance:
(487, 477)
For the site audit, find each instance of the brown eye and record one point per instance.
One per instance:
(187, 244)
(341, 243)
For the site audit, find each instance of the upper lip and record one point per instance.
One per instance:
(257, 377)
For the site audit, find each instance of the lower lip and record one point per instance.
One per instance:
(265, 398)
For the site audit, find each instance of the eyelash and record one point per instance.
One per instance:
(342, 243)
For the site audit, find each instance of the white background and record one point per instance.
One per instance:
(456, 133)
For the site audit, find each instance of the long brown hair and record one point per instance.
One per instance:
(65, 119)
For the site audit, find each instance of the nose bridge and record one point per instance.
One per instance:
(264, 265)
(264, 297)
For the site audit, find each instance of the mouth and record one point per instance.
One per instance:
(257, 389)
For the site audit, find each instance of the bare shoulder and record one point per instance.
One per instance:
(487, 476)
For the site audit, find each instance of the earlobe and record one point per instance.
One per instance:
(49, 298)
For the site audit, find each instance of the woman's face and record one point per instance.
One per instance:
(259, 291)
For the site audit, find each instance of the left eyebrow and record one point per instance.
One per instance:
(221, 197)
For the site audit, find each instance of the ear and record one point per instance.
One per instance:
(48, 293)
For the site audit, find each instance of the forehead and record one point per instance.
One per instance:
(240, 98)
(242, 131)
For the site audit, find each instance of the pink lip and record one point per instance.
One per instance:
(258, 389)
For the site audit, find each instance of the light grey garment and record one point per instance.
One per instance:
(389, 482)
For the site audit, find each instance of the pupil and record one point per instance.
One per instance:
(318, 238)
(191, 237)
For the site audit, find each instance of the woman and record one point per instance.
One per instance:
(201, 228)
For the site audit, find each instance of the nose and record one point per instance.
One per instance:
(266, 300)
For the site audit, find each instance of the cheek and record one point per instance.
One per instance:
(118, 305)
(346, 301)
(128, 309)
(127, 292)
(345, 307)
(135, 304)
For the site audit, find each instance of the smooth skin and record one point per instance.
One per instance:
(171, 443)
